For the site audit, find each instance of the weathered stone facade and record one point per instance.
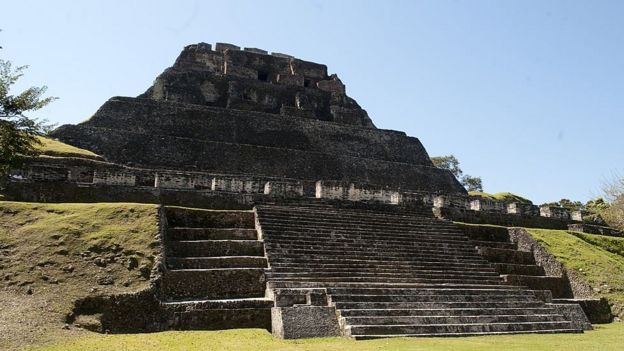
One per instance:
(245, 112)
(342, 233)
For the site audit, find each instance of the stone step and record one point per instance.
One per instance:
(193, 284)
(216, 262)
(378, 265)
(198, 305)
(433, 298)
(369, 244)
(507, 256)
(349, 218)
(389, 229)
(306, 257)
(503, 290)
(467, 328)
(412, 253)
(311, 259)
(424, 214)
(412, 320)
(183, 233)
(559, 286)
(192, 217)
(519, 269)
(494, 244)
(438, 305)
(390, 223)
(393, 285)
(305, 238)
(375, 270)
(314, 235)
(396, 252)
(347, 313)
(221, 319)
(426, 217)
(345, 279)
(404, 274)
(315, 261)
(215, 248)
(485, 232)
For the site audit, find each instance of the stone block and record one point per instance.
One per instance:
(574, 313)
(257, 51)
(304, 322)
(330, 190)
(483, 204)
(113, 177)
(237, 185)
(290, 79)
(80, 174)
(225, 46)
(239, 71)
(517, 208)
(183, 181)
(297, 112)
(277, 54)
(331, 85)
(47, 173)
(283, 189)
(554, 212)
(577, 216)
(595, 229)
(371, 193)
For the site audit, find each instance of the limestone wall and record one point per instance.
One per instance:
(44, 175)
(142, 116)
(253, 80)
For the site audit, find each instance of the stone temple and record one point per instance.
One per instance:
(285, 208)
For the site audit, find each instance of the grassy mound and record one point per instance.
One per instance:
(504, 196)
(51, 147)
(53, 254)
(599, 259)
(604, 338)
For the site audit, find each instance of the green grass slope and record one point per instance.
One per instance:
(599, 259)
(53, 254)
(604, 338)
(504, 196)
(51, 147)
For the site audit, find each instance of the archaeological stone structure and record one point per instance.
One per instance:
(283, 207)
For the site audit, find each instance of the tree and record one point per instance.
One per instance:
(613, 191)
(451, 163)
(472, 183)
(18, 132)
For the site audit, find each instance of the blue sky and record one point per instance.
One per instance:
(528, 94)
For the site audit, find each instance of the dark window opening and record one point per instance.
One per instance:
(263, 76)
(306, 83)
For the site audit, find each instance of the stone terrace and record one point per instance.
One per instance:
(393, 273)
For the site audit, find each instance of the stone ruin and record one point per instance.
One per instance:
(285, 208)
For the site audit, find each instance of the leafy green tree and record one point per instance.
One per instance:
(613, 191)
(472, 183)
(451, 163)
(18, 132)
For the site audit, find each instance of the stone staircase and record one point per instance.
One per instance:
(215, 270)
(397, 272)
(515, 266)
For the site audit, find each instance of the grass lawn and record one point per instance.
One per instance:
(599, 259)
(604, 338)
(504, 196)
(53, 254)
(51, 147)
